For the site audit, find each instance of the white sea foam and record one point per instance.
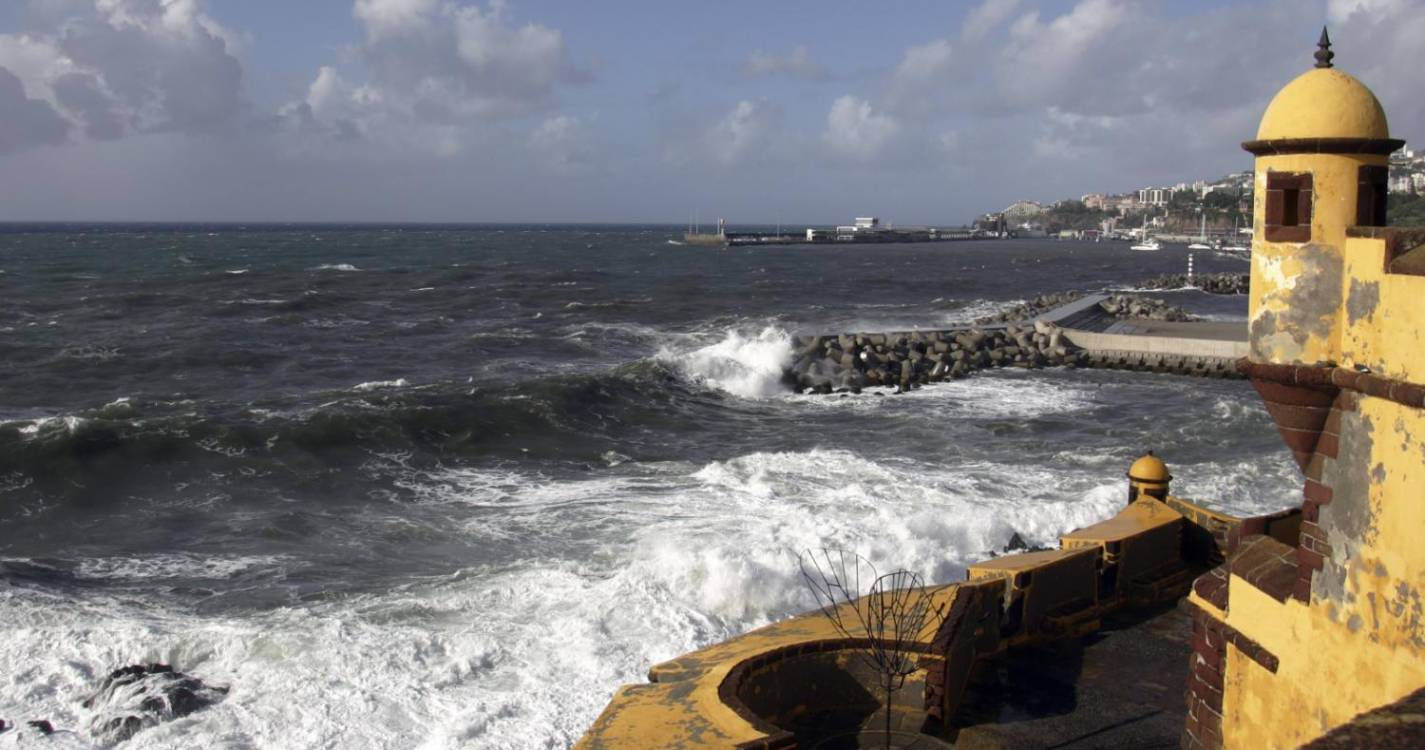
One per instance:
(625, 566)
(345, 267)
(67, 424)
(377, 385)
(236, 271)
(993, 394)
(746, 366)
(168, 566)
(526, 654)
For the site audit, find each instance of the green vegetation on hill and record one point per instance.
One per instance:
(1073, 214)
(1405, 210)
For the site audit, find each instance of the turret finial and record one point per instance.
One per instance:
(1323, 50)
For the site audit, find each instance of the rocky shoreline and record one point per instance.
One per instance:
(849, 362)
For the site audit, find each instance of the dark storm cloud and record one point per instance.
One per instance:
(25, 122)
(82, 95)
(165, 78)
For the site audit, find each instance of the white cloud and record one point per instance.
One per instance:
(1339, 11)
(116, 67)
(559, 142)
(1065, 61)
(986, 17)
(435, 73)
(382, 17)
(797, 64)
(736, 134)
(925, 61)
(854, 128)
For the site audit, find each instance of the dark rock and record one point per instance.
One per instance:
(4, 727)
(131, 699)
(43, 726)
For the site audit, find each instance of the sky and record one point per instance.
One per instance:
(800, 111)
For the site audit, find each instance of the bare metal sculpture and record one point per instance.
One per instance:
(890, 616)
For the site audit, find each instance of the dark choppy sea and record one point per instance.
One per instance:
(449, 487)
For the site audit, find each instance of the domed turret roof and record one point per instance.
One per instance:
(1149, 468)
(1324, 103)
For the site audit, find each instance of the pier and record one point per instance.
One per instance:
(866, 230)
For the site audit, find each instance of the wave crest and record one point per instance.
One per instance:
(746, 366)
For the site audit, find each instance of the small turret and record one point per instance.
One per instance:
(1148, 477)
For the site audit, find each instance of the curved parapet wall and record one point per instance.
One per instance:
(792, 683)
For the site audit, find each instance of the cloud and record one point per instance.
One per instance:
(986, 17)
(452, 61)
(925, 61)
(559, 142)
(26, 122)
(738, 133)
(1339, 11)
(1065, 62)
(796, 64)
(855, 129)
(435, 73)
(116, 67)
(85, 97)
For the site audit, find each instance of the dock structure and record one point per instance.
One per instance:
(866, 230)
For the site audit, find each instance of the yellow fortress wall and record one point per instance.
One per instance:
(1294, 639)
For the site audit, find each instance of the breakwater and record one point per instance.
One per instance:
(1058, 330)
(1215, 283)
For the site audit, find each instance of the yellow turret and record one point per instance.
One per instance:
(1321, 166)
(1148, 476)
(1299, 634)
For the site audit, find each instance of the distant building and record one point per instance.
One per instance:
(1155, 196)
(867, 222)
(1022, 211)
(1097, 201)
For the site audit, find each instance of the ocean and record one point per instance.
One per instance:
(431, 487)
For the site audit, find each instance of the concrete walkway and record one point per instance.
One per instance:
(1159, 342)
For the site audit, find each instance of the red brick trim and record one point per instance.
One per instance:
(1270, 378)
(1317, 492)
(1212, 586)
(1268, 565)
(1210, 637)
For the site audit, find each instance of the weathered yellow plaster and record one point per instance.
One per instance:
(1296, 310)
(1327, 674)
(1359, 642)
(1385, 322)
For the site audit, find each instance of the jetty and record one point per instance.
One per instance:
(1111, 331)
(865, 230)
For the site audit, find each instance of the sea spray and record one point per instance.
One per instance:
(750, 367)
